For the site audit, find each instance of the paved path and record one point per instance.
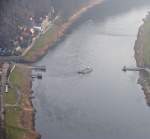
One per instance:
(5, 68)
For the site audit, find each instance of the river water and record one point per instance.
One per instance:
(107, 103)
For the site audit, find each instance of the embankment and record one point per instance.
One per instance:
(35, 53)
(142, 46)
(19, 113)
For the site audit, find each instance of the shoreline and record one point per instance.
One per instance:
(63, 29)
(60, 32)
(139, 48)
(27, 114)
(19, 110)
(59, 35)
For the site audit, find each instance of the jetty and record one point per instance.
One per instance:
(39, 68)
(125, 69)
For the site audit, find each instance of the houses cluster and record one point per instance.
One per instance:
(27, 33)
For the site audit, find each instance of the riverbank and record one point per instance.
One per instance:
(142, 56)
(53, 35)
(19, 112)
(21, 126)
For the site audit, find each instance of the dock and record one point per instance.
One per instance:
(39, 68)
(125, 69)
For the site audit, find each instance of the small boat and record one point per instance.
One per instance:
(85, 71)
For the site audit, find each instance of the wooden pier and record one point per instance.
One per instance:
(39, 68)
(125, 69)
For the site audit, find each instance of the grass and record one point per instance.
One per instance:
(42, 41)
(10, 97)
(13, 131)
(17, 78)
(13, 114)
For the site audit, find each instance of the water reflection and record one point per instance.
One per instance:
(104, 104)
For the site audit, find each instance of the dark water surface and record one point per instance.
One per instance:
(107, 103)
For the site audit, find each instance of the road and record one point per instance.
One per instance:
(5, 68)
(10, 58)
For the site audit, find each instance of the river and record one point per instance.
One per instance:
(107, 103)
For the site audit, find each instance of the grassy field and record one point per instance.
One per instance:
(17, 77)
(11, 97)
(12, 121)
(12, 113)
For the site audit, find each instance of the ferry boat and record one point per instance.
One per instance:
(85, 71)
